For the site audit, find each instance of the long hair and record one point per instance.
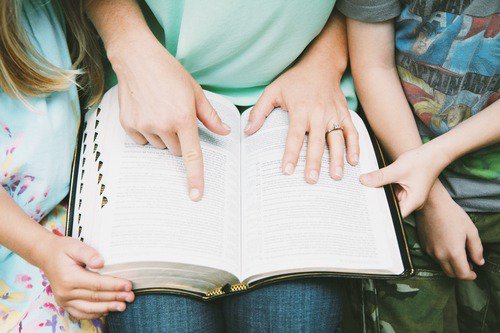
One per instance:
(25, 73)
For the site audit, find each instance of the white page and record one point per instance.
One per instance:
(149, 216)
(289, 224)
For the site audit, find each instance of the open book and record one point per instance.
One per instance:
(253, 225)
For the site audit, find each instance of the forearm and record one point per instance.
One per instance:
(18, 232)
(329, 48)
(121, 25)
(371, 48)
(480, 130)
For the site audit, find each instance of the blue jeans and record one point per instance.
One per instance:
(307, 305)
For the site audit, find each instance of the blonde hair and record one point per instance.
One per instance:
(23, 70)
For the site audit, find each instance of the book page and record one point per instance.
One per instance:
(289, 224)
(149, 216)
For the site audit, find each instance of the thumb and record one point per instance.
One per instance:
(86, 255)
(264, 106)
(475, 247)
(410, 201)
(379, 177)
(406, 204)
(209, 117)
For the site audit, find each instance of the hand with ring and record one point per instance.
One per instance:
(317, 106)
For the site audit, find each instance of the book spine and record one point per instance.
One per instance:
(227, 289)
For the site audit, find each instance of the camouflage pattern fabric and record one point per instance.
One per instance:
(430, 301)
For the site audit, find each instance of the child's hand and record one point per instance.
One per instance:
(445, 232)
(315, 102)
(415, 171)
(160, 103)
(84, 294)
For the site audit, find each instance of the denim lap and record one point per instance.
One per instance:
(307, 305)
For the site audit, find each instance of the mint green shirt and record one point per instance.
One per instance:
(237, 47)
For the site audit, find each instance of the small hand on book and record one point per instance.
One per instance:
(445, 230)
(84, 294)
(415, 172)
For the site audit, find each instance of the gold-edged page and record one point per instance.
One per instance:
(291, 226)
(149, 218)
(169, 275)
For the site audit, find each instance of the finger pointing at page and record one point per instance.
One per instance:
(193, 160)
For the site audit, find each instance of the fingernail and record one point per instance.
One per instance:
(226, 127)
(129, 298)
(313, 175)
(288, 169)
(355, 158)
(481, 262)
(127, 287)
(120, 307)
(96, 261)
(248, 126)
(338, 173)
(194, 194)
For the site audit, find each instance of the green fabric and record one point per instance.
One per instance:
(236, 48)
(430, 301)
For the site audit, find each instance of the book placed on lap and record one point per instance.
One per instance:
(254, 225)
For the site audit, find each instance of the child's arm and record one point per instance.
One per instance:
(445, 229)
(373, 65)
(310, 92)
(84, 294)
(160, 101)
(419, 168)
(372, 56)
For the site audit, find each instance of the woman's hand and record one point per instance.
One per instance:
(415, 171)
(84, 294)
(315, 102)
(310, 92)
(446, 232)
(160, 103)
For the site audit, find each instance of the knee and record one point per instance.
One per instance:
(300, 305)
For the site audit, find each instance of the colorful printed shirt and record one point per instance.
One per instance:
(36, 151)
(448, 56)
